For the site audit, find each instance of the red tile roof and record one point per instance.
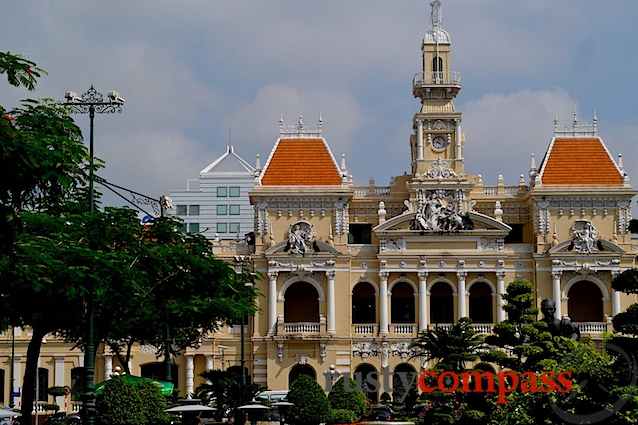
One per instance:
(579, 161)
(301, 162)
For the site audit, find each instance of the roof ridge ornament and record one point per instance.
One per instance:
(577, 129)
(301, 130)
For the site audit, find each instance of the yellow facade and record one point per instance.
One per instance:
(353, 273)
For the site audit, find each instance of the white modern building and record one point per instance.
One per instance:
(217, 204)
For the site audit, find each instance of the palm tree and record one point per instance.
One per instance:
(451, 347)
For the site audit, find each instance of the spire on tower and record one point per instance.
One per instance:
(436, 16)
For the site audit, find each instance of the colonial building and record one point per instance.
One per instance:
(353, 273)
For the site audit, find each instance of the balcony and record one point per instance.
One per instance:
(425, 79)
(594, 328)
(360, 329)
(404, 329)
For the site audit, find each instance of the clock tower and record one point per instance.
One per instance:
(437, 144)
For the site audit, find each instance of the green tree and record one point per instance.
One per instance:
(453, 350)
(352, 400)
(311, 406)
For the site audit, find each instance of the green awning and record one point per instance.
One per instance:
(165, 387)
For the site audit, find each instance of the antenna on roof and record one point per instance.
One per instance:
(300, 112)
(575, 114)
(230, 146)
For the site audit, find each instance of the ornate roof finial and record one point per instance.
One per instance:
(436, 16)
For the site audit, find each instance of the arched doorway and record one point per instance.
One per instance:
(441, 303)
(301, 303)
(481, 308)
(363, 303)
(405, 372)
(367, 377)
(585, 302)
(402, 303)
(300, 369)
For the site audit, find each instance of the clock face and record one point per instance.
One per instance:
(439, 142)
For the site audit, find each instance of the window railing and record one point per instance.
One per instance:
(301, 328)
(594, 327)
(403, 329)
(364, 329)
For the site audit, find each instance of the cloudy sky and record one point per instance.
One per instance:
(194, 71)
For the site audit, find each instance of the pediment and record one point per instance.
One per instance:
(601, 247)
(319, 247)
(481, 223)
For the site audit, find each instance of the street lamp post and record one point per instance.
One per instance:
(12, 371)
(91, 102)
(243, 350)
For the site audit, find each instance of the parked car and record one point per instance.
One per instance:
(381, 413)
(70, 419)
(11, 420)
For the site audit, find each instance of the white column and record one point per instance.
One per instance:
(500, 289)
(17, 382)
(108, 366)
(209, 362)
(615, 302)
(462, 296)
(458, 151)
(272, 302)
(423, 309)
(419, 138)
(330, 274)
(556, 293)
(190, 374)
(383, 303)
(58, 377)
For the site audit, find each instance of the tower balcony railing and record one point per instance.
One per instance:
(450, 78)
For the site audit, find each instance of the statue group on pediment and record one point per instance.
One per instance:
(433, 215)
(300, 239)
(584, 237)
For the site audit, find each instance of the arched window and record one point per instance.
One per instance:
(585, 302)
(363, 303)
(402, 303)
(302, 303)
(437, 70)
(300, 369)
(441, 303)
(481, 310)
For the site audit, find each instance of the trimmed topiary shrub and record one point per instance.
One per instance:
(354, 401)
(311, 406)
(342, 416)
(56, 391)
(119, 404)
(153, 404)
